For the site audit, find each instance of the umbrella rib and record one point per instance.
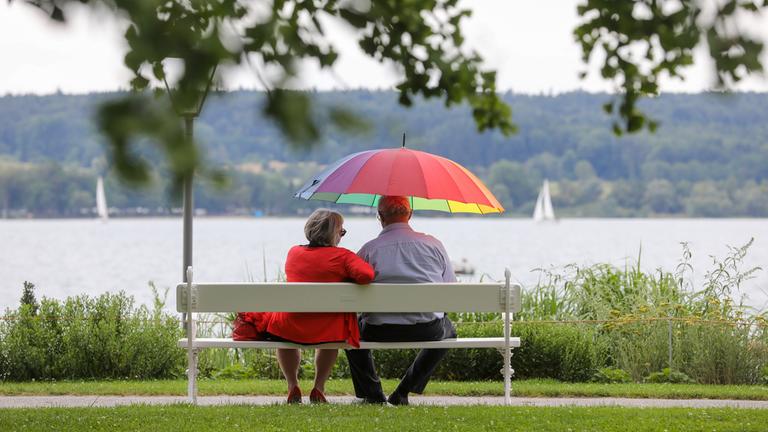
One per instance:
(448, 172)
(327, 172)
(422, 177)
(483, 189)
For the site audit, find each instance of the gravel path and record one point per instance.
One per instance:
(111, 401)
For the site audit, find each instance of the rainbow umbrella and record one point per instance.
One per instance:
(430, 181)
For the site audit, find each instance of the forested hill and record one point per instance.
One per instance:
(701, 136)
(704, 139)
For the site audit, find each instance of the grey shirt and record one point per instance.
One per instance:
(401, 255)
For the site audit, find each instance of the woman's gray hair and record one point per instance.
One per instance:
(322, 226)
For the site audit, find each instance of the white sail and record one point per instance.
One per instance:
(101, 200)
(543, 210)
(538, 210)
(549, 212)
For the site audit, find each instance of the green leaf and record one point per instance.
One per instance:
(290, 110)
(57, 14)
(349, 121)
(354, 18)
(635, 123)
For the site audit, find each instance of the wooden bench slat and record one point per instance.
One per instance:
(348, 297)
(497, 342)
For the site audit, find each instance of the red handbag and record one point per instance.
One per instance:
(250, 326)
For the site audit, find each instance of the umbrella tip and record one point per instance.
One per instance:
(403, 139)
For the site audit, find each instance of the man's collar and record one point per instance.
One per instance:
(396, 226)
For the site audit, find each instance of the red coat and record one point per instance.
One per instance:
(320, 264)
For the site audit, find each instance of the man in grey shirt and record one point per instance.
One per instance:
(401, 255)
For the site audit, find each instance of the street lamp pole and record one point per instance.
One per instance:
(189, 123)
(189, 114)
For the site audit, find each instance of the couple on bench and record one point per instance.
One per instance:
(397, 255)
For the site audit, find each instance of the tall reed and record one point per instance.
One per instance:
(647, 321)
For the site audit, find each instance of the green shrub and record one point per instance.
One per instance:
(668, 376)
(713, 338)
(717, 354)
(611, 376)
(546, 351)
(636, 347)
(234, 371)
(84, 337)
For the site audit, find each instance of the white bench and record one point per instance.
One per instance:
(346, 297)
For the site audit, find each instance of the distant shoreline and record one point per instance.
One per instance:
(418, 215)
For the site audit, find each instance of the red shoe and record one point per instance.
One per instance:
(294, 396)
(316, 396)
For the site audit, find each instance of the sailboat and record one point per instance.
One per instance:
(101, 200)
(543, 210)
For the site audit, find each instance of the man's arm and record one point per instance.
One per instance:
(448, 274)
(363, 253)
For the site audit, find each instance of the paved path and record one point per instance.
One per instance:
(111, 401)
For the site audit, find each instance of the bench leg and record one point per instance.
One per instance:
(507, 326)
(507, 372)
(192, 376)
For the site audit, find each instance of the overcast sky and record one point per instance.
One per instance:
(529, 43)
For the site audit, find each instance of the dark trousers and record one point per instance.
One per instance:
(364, 377)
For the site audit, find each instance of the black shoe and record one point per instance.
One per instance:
(398, 398)
(379, 400)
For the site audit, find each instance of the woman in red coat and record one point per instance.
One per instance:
(319, 261)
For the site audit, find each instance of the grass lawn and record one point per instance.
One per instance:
(529, 388)
(359, 418)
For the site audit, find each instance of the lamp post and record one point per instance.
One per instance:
(188, 113)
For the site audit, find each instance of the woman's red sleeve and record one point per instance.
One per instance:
(357, 269)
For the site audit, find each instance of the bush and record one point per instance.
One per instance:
(643, 316)
(611, 376)
(83, 338)
(669, 376)
(547, 351)
(234, 371)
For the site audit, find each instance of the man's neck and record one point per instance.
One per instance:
(386, 224)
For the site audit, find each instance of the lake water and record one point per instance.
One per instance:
(69, 257)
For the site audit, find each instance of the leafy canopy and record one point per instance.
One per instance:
(641, 41)
(638, 42)
(422, 38)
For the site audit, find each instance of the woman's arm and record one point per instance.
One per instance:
(357, 269)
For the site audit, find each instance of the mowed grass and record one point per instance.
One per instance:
(365, 418)
(523, 388)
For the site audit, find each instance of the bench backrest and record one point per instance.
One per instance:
(348, 297)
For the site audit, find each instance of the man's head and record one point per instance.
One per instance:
(394, 209)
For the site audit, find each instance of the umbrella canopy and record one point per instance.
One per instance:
(430, 181)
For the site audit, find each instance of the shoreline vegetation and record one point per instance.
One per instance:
(598, 324)
(69, 192)
(708, 159)
(365, 214)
